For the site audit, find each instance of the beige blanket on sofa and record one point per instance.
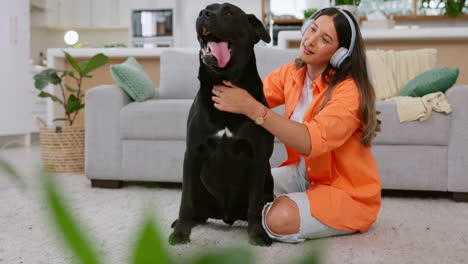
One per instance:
(391, 70)
(420, 108)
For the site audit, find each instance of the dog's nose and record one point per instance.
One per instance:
(206, 13)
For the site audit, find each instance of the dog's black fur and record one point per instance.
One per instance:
(225, 177)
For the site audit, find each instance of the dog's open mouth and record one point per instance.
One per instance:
(221, 50)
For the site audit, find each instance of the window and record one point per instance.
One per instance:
(413, 7)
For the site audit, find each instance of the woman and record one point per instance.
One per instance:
(329, 185)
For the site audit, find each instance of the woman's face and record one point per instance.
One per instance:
(319, 42)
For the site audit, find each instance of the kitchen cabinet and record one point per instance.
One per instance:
(47, 14)
(124, 13)
(62, 14)
(110, 13)
(148, 4)
(75, 14)
(16, 99)
(67, 14)
(103, 13)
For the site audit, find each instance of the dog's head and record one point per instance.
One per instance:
(227, 36)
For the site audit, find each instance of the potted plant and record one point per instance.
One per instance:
(349, 5)
(347, 2)
(62, 147)
(451, 8)
(309, 12)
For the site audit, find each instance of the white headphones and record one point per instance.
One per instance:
(342, 53)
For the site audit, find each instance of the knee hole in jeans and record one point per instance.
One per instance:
(283, 217)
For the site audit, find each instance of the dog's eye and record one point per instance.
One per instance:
(200, 14)
(227, 13)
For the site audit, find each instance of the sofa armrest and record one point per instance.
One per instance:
(457, 97)
(103, 148)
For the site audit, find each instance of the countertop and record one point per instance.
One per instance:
(110, 52)
(389, 34)
(283, 37)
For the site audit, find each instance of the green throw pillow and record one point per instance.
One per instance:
(131, 77)
(435, 80)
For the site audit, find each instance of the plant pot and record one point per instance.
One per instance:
(62, 148)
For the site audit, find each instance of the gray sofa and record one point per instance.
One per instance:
(145, 141)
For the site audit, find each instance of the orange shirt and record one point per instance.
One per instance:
(345, 187)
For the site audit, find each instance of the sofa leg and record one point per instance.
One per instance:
(460, 196)
(113, 184)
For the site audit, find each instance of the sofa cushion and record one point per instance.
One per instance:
(159, 119)
(167, 119)
(435, 80)
(155, 119)
(179, 71)
(269, 59)
(434, 131)
(131, 77)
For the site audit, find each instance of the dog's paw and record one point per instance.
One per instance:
(177, 238)
(260, 238)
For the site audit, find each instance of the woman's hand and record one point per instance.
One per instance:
(230, 98)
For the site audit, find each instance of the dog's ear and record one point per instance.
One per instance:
(259, 29)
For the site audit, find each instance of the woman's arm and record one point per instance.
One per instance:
(237, 100)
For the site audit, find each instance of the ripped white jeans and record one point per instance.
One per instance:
(291, 181)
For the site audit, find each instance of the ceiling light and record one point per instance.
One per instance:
(71, 37)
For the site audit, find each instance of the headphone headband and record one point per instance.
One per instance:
(353, 31)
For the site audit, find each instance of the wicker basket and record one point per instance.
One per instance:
(62, 148)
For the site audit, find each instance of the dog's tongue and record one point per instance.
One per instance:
(221, 51)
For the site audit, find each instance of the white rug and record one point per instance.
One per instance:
(409, 230)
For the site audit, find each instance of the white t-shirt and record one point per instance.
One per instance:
(305, 99)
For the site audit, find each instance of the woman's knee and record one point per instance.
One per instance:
(283, 217)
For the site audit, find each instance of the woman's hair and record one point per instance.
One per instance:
(355, 67)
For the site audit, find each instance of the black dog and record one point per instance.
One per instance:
(226, 166)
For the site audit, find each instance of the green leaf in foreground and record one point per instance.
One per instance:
(12, 173)
(226, 256)
(149, 247)
(313, 256)
(68, 227)
(311, 259)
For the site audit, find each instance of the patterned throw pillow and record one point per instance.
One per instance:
(131, 77)
(435, 80)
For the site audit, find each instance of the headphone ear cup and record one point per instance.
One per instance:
(340, 55)
(306, 25)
